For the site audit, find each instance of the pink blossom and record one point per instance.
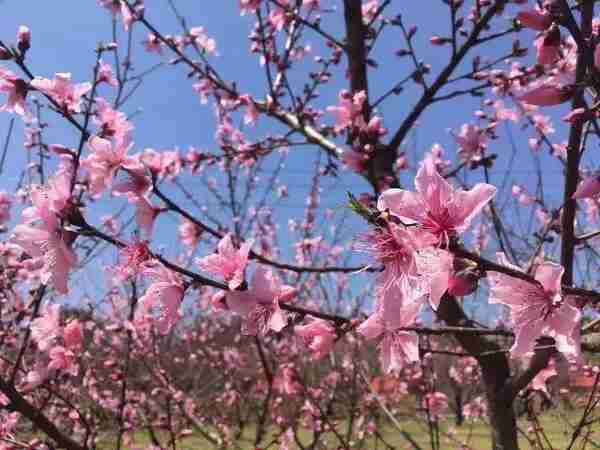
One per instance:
(476, 408)
(204, 88)
(547, 95)
(62, 91)
(278, 18)
(539, 381)
(162, 164)
(504, 113)
(375, 127)
(249, 6)
(440, 272)
(165, 293)
(106, 159)
(130, 15)
(535, 19)
(252, 112)
(5, 205)
(120, 7)
(437, 206)
(319, 336)
(132, 260)
(106, 75)
(471, 142)
(16, 89)
(396, 309)
(286, 382)
(36, 377)
(349, 112)
(112, 123)
(46, 239)
(438, 40)
(62, 359)
(46, 328)
(73, 335)
(369, 10)
(548, 46)
(189, 234)
(259, 305)
(436, 403)
(202, 41)
(111, 224)
(316, 4)
(133, 183)
(229, 262)
(145, 215)
(153, 44)
(355, 160)
(589, 187)
(537, 309)
(395, 247)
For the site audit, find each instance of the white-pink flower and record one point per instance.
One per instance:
(63, 91)
(229, 262)
(436, 206)
(440, 272)
(319, 335)
(102, 164)
(42, 235)
(46, 328)
(16, 89)
(259, 305)
(396, 309)
(165, 293)
(537, 309)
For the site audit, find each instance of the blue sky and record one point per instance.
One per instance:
(169, 115)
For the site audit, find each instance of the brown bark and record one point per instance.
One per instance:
(19, 404)
(495, 372)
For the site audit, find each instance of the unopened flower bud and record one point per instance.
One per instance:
(23, 39)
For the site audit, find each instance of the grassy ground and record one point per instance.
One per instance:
(475, 435)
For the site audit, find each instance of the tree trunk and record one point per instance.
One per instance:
(495, 373)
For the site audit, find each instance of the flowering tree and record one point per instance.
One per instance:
(174, 342)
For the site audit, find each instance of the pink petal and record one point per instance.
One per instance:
(405, 204)
(278, 320)
(434, 189)
(550, 275)
(588, 188)
(469, 203)
(525, 337)
(372, 327)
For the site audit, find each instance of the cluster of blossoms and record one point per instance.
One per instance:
(414, 240)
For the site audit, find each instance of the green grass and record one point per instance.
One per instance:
(476, 435)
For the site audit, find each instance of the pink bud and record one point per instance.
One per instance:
(438, 40)
(23, 39)
(412, 31)
(534, 19)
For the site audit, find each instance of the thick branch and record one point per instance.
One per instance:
(567, 251)
(540, 360)
(20, 404)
